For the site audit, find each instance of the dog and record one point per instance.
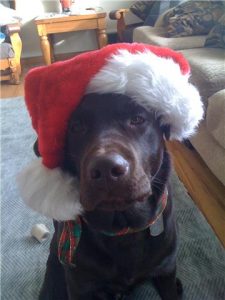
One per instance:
(102, 119)
(123, 168)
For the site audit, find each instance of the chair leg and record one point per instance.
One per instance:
(14, 76)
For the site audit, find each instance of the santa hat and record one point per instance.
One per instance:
(153, 77)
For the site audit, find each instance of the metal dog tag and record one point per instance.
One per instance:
(158, 227)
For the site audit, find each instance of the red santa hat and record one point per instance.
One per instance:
(154, 77)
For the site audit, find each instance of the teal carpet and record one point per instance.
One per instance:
(201, 258)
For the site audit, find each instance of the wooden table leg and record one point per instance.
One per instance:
(46, 49)
(102, 38)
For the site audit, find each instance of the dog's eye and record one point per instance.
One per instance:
(77, 127)
(137, 120)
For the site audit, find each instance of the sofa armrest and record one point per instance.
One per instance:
(118, 14)
(157, 36)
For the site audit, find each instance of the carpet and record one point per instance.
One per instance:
(201, 257)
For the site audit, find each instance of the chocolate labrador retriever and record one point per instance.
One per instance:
(128, 228)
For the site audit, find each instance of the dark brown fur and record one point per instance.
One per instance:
(116, 149)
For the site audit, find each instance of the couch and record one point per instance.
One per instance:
(206, 55)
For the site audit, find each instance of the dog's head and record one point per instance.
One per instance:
(116, 149)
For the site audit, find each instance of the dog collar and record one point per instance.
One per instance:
(128, 230)
(72, 230)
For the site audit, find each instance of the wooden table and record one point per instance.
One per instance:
(53, 23)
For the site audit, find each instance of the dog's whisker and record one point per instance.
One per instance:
(157, 180)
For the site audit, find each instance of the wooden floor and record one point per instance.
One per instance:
(207, 192)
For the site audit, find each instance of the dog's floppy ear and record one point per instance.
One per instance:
(166, 131)
(35, 148)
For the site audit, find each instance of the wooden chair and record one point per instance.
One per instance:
(119, 16)
(10, 68)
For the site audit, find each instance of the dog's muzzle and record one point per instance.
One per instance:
(110, 183)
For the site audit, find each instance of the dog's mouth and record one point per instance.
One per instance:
(121, 204)
(115, 193)
(114, 216)
(118, 197)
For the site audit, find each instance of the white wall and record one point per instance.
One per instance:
(66, 42)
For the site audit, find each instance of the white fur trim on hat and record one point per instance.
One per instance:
(53, 193)
(157, 84)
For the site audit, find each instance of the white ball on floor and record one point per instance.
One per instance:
(40, 232)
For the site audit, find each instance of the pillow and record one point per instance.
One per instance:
(141, 8)
(193, 18)
(157, 9)
(216, 37)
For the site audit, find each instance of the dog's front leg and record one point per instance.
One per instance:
(168, 286)
(80, 287)
(54, 285)
(96, 296)
(79, 294)
(101, 295)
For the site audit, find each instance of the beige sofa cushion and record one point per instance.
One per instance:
(215, 117)
(156, 36)
(208, 70)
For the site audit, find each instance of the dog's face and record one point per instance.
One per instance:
(116, 149)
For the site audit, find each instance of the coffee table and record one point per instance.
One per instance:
(56, 23)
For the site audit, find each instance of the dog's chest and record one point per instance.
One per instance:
(119, 258)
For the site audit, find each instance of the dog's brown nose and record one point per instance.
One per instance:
(109, 167)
